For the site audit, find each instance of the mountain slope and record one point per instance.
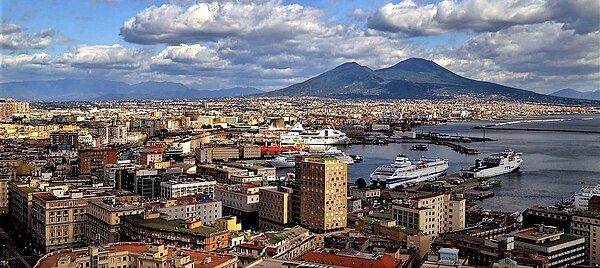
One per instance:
(574, 94)
(347, 79)
(97, 89)
(413, 78)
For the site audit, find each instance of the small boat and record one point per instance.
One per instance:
(356, 157)
(419, 147)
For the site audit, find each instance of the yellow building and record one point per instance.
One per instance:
(274, 209)
(59, 219)
(102, 219)
(20, 195)
(431, 213)
(131, 254)
(323, 193)
(228, 223)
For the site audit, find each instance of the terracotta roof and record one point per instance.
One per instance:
(197, 256)
(383, 261)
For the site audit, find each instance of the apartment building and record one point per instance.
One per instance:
(209, 154)
(323, 182)
(20, 195)
(199, 207)
(148, 157)
(8, 107)
(241, 201)
(147, 183)
(221, 173)
(562, 250)
(4, 194)
(65, 139)
(274, 209)
(431, 213)
(59, 218)
(184, 187)
(587, 225)
(134, 254)
(92, 161)
(103, 219)
(154, 228)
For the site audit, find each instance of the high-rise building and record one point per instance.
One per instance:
(92, 161)
(432, 213)
(323, 183)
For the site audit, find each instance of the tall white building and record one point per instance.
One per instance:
(583, 196)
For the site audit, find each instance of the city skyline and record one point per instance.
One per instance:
(536, 45)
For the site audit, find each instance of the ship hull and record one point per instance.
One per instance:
(426, 174)
(496, 171)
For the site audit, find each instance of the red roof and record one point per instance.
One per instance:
(50, 259)
(383, 261)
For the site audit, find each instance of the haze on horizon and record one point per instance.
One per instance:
(539, 45)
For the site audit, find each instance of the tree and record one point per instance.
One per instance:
(361, 183)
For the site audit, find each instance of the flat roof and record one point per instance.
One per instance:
(176, 225)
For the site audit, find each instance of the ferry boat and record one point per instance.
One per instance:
(326, 136)
(285, 159)
(403, 172)
(494, 165)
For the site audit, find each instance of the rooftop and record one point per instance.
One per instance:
(49, 260)
(365, 260)
(177, 225)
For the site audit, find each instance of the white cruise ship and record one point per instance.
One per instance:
(494, 165)
(298, 135)
(403, 172)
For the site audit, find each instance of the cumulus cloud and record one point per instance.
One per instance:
(105, 57)
(187, 59)
(174, 24)
(13, 37)
(483, 16)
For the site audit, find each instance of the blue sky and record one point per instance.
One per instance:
(538, 45)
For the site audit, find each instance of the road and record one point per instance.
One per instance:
(10, 253)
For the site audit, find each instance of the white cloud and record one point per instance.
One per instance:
(484, 16)
(12, 37)
(212, 21)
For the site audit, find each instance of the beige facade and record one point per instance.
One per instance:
(103, 219)
(20, 197)
(59, 220)
(249, 151)
(432, 213)
(323, 193)
(206, 155)
(588, 226)
(275, 209)
(9, 107)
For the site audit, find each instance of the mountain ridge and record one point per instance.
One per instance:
(576, 94)
(105, 90)
(413, 78)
